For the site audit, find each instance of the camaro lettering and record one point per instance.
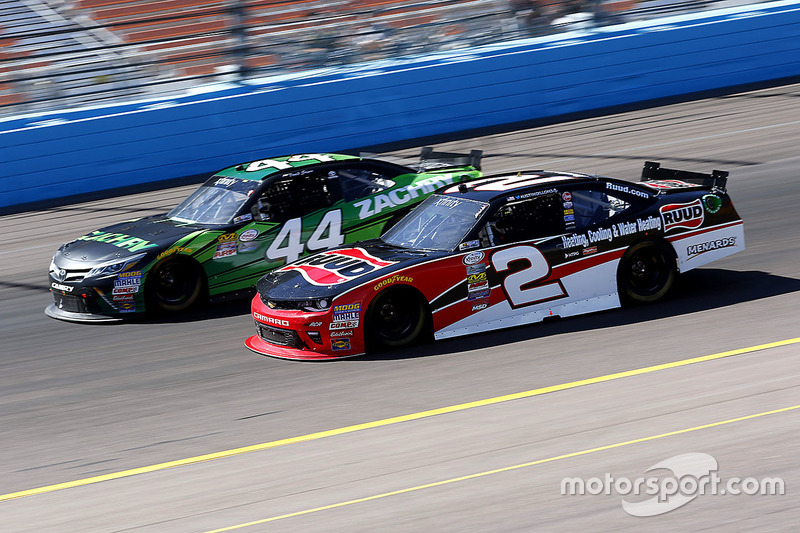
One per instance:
(269, 319)
(687, 216)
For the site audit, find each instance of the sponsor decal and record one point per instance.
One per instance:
(567, 205)
(346, 313)
(120, 240)
(129, 279)
(473, 258)
(626, 189)
(340, 344)
(244, 247)
(474, 278)
(122, 297)
(347, 324)
(377, 203)
(60, 287)
(346, 333)
(127, 307)
(687, 216)
(125, 290)
(590, 250)
(479, 286)
(569, 211)
(130, 274)
(712, 203)
(225, 249)
(175, 250)
(566, 196)
(270, 320)
(468, 245)
(474, 269)
(227, 237)
(393, 279)
(668, 184)
(314, 324)
(478, 295)
(569, 218)
(611, 233)
(696, 249)
(341, 317)
(346, 307)
(248, 235)
(336, 266)
(225, 182)
(479, 307)
(569, 255)
(243, 218)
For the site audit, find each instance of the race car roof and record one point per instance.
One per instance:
(504, 185)
(261, 168)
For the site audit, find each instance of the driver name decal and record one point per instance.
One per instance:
(120, 240)
(337, 266)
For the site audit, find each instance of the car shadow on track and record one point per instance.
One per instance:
(697, 290)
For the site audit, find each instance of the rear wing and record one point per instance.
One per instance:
(666, 179)
(429, 159)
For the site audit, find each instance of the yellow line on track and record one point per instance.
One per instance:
(390, 421)
(505, 469)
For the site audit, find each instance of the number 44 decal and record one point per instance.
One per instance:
(522, 287)
(327, 234)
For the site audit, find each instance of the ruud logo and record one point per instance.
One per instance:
(687, 216)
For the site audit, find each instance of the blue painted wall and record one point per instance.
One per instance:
(68, 153)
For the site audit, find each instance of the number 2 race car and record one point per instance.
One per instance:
(240, 224)
(497, 252)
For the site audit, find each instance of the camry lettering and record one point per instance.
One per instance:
(60, 287)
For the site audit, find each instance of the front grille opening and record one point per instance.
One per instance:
(280, 336)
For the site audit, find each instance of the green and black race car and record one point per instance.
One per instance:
(240, 224)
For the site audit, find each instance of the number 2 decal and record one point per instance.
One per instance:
(292, 232)
(521, 287)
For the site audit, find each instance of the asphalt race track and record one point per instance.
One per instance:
(176, 426)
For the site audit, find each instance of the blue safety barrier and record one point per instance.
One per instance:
(70, 153)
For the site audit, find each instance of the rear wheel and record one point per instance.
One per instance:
(175, 285)
(646, 272)
(395, 318)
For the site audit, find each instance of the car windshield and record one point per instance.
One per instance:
(215, 202)
(439, 223)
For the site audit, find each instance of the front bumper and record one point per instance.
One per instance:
(301, 335)
(92, 303)
(53, 311)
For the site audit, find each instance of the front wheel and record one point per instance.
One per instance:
(395, 318)
(175, 285)
(646, 272)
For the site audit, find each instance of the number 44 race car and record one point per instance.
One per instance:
(497, 252)
(241, 223)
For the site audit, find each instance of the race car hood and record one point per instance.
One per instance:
(330, 273)
(150, 234)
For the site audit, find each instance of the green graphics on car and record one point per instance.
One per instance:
(241, 223)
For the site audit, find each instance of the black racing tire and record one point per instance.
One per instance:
(395, 318)
(175, 285)
(646, 272)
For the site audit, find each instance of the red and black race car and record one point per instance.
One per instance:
(501, 251)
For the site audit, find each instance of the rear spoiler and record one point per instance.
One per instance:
(717, 180)
(431, 159)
